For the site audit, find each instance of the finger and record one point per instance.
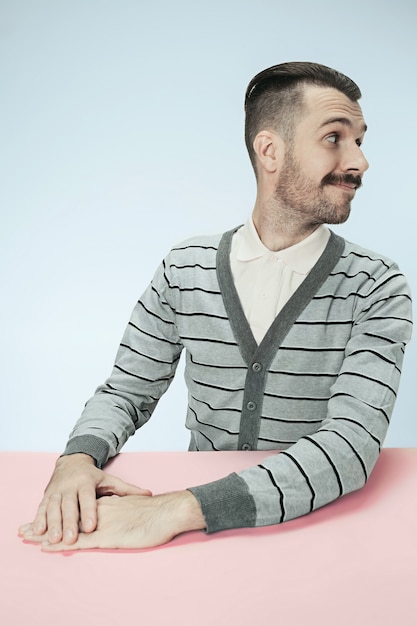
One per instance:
(25, 528)
(39, 524)
(85, 541)
(54, 518)
(29, 537)
(111, 485)
(88, 510)
(70, 519)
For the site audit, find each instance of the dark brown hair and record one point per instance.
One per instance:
(274, 97)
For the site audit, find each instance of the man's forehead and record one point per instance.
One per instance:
(325, 105)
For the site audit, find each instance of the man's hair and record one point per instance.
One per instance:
(274, 98)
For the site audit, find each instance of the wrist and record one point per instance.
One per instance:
(183, 511)
(78, 457)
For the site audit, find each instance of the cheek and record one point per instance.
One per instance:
(316, 164)
(322, 165)
(315, 171)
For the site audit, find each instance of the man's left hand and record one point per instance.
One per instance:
(133, 522)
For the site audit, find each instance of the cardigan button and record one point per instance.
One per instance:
(251, 406)
(256, 367)
(246, 446)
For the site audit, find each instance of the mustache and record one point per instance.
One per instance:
(340, 179)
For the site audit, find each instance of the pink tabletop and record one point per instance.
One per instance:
(352, 562)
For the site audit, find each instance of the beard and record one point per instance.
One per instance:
(305, 201)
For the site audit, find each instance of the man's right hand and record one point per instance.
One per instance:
(70, 500)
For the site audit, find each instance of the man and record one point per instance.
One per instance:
(294, 341)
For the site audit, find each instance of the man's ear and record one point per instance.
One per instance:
(269, 149)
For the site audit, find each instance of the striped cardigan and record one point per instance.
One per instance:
(320, 387)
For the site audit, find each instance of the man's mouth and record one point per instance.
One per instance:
(345, 186)
(347, 181)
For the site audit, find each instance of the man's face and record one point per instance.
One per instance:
(324, 164)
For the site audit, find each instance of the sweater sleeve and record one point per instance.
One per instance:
(144, 368)
(339, 457)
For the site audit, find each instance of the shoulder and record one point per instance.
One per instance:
(356, 258)
(188, 258)
(198, 242)
(198, 247)
(355, 253)
(371, 270)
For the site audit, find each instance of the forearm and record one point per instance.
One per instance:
(318, 469)
(284, 486)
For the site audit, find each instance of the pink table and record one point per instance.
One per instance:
(352, 562)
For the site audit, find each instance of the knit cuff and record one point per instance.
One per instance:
(91, 445)
(226, 503)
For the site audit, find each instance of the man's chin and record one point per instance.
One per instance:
(335, 214)
(340, 218)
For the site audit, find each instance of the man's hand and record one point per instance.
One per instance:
(70, 500)
(131, 522)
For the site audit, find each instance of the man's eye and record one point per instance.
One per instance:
(333, 138)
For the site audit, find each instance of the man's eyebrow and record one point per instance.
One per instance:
(342, 120)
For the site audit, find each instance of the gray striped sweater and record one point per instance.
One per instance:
(320, 387)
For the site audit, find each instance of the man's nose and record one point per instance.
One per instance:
(354, 160)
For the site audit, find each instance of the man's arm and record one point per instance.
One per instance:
(145, 365)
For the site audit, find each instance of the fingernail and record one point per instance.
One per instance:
(69, 535)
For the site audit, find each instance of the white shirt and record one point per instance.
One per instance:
(265, 280)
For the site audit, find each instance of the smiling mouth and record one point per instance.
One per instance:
(345, 186)
(348, 182)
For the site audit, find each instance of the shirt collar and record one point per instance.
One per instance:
(300, 257)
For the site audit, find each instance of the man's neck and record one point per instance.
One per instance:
(278, 232)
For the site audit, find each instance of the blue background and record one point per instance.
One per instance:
(122, 133)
